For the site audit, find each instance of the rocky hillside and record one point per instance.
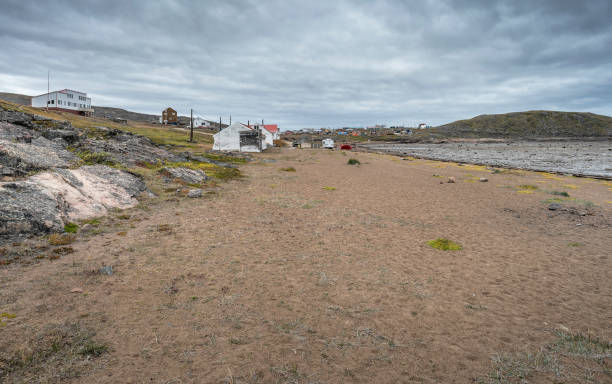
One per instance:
(53, 173)
(530, 124)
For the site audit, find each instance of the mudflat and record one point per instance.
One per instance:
(577, 157)
(325, 275)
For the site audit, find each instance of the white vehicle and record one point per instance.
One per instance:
(328, 143)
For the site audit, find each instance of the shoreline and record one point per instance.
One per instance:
(499, 155)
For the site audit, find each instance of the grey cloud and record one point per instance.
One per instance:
(316, 63)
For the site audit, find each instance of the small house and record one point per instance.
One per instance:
(328, 143)
(241, 138)
(169, 116)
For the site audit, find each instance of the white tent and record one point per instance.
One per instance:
(241, 138)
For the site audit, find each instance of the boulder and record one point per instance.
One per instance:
(190, 176)
(194, 193)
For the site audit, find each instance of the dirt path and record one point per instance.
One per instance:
(280, 279)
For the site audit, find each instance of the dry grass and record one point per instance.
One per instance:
(61, 239)
(59, 352)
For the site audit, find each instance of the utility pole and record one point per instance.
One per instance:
(230, 119)
(219, 123)
(191, 130)
(48, 88)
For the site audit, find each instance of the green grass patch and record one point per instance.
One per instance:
(71, 228)
(92, 222)
(575, 244)
(528, 187)
(93, 349)
(288, 169)
(329, 188)
(93, 158)
(560, 193)
(223, 158)
(353, 162)
(444, 245)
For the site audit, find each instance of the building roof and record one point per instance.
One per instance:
(63, 91)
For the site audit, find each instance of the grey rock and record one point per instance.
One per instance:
(69, 136)
(106, 270)
(129, 149)
(41, 154)
(483, 180)
(194, 193)
(132, 183)
(25, 207)
(554, 206)
(46, 201)
(191, 176)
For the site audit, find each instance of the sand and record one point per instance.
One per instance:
(324, 275)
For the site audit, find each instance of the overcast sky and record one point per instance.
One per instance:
(315, 63)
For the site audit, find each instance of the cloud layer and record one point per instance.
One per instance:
(316, 63)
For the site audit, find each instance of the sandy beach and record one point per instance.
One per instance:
(324, 275)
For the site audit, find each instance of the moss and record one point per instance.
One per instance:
(71, 228)
(444, 245)
(353, 162)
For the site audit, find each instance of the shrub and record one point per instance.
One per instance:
(280, 143)
(71, 228)
(557, 193)
(353, 162)
(444, 245)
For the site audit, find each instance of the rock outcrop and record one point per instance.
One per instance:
(46, 201)
(190, 176)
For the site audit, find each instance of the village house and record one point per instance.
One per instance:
(270, 132)
(65, 100)
(169, 116)
(199, 122)
(246, 138)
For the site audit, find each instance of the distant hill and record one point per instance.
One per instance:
(16, 98)
(118, 113)
(530, 124)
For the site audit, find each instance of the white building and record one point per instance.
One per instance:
(200, 122)
(328, 143)
(243, 138)
(65, 100)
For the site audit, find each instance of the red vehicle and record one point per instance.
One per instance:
(346, 147)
